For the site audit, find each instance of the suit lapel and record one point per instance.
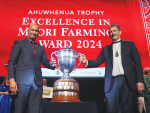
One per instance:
(110, 51)
(122, 49)
(28, 46)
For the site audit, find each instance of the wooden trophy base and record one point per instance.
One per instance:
(66, 91)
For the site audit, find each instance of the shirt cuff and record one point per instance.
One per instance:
(86, 65)
(11, 78)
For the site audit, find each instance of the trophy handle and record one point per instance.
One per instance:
(79, 63)
(56, 54)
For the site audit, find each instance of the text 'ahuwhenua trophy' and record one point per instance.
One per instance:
(66, 89)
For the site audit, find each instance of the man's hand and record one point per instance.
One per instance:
(13, 86)
(83, 59)
(140, 87)
(53, 62)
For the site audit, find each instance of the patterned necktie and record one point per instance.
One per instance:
(33, 48)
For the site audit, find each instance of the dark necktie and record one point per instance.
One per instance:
(33, 48)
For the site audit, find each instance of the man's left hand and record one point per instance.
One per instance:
(140, 87)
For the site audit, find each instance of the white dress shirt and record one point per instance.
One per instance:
(117, 62)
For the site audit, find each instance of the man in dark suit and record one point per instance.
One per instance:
(123, 72)
(24, 71)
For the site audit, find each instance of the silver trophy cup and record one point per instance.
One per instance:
(66, 89)
(66, 61)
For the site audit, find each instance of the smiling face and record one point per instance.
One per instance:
(33, 31)
(114, 33)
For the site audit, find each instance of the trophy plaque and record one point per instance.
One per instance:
(66, 89)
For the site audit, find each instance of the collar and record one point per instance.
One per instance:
(119, 40)
(45, 86)
(30, 40)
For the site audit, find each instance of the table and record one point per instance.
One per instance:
(69, 107)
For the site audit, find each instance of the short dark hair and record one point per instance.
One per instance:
(146, 70)
(115, 25)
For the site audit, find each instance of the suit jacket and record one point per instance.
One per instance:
(130, 61)
(28, 67)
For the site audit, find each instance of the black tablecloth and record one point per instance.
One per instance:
(69, 107)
